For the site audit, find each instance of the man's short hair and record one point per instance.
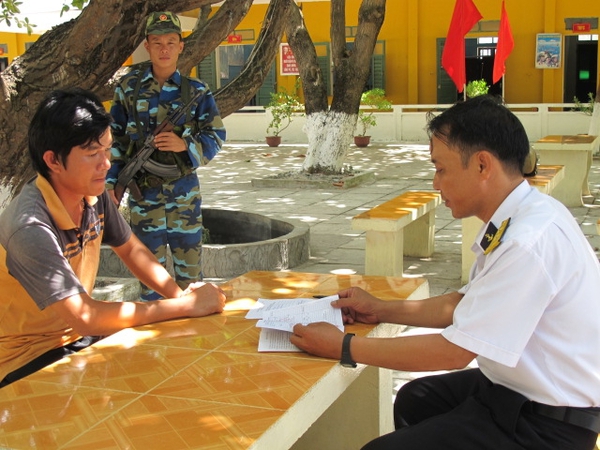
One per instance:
(163, 22)
(63, 120)
(482, 123)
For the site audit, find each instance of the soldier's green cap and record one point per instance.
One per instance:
(163, 22)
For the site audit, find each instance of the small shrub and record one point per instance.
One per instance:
(476, 87)
(586, 108)
(374, 99)
(283, 106)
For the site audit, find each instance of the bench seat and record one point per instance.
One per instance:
(404, 225)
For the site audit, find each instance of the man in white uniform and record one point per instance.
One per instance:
(530, 313)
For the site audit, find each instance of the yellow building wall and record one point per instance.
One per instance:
(15, 43)
(410, 32)
(412, 27)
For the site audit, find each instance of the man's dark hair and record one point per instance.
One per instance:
(482, 123)
(65, 119)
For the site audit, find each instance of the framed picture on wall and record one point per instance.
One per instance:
(287, 61)
(548, 50)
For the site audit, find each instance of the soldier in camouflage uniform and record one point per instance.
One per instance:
(169, 213)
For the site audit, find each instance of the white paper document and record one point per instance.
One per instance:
(278, 317)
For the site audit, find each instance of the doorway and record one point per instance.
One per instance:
(479, 60)
(581, 67)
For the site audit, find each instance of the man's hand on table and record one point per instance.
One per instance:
(319, 338)
(358, 306)
(207, 298)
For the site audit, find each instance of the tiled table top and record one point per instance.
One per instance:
(582, 139)
(405, 204)
(189, 383)
(547, 177)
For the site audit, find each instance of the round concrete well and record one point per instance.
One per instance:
(242, 241)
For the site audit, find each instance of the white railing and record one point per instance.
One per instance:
(407, 123)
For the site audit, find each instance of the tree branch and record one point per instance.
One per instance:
(203, 40)
(239, 91)
(351, 69)
(313, 82)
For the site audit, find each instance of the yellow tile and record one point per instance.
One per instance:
(264, 380)
(387, 288)
(181, 423)
(45, 415)
(205, 333)
(135, 369)
(185, 383)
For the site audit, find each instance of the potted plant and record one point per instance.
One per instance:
(586, 108)
(282, 107)
(476, 87)
(373, 100)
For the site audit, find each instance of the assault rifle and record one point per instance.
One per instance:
(141, 160)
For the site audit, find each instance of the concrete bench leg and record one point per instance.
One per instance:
(573, 185)
(585, 189)
(419, 236)
(383, 253)
(362, 413)
(470, 228)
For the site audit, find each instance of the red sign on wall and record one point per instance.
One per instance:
(581, 27)
(288, 65)
(234, 38)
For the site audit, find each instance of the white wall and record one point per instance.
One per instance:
(407, 123)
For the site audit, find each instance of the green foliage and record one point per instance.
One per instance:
(586, 108)
(477, 87)
(374, 100)
(77, 4)
(9, 9)
(283, 106)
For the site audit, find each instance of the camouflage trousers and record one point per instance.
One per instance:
(170, 217)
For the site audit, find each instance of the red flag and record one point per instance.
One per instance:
(505, 45)
(464, 17)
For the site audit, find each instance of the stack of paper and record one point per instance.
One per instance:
(278, 317)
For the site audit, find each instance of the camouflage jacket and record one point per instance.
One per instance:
(204, 132)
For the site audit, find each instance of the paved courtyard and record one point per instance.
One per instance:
(226, 183)
(334, 246)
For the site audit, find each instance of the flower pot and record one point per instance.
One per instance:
(273, 141)
(362, 141)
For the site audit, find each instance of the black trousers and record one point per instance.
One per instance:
(48, 358)
(464, 410)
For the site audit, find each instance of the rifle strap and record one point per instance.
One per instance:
(185, 97)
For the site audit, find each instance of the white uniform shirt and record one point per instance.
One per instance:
(531, 310)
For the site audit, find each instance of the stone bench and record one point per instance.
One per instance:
(402, 226)
(547, 179)
(574, 152)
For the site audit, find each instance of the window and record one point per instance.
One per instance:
(487, 40)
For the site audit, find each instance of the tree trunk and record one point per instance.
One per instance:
(330, 131)
(313, 82)
(329, 137)
(209, 34)
(89, 52)
(239, 91)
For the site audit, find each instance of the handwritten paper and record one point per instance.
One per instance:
(278, 317)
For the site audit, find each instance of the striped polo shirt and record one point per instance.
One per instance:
(45, 258)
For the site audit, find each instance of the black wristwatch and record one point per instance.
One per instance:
(346, 359)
